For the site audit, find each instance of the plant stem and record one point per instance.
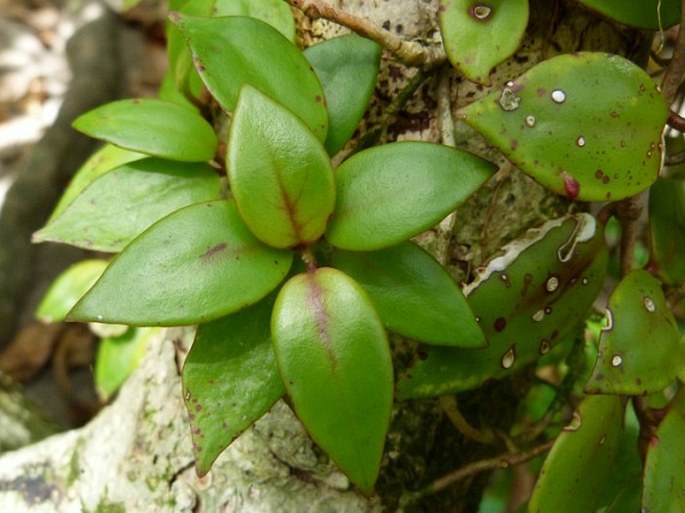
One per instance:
(628, 213)
(505, 460)
(449, 405)
(676, 68)
(409, 52)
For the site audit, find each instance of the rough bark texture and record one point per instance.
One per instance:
(137, 455)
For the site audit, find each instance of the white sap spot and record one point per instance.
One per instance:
(510, 84)
(508, 99)
(539, 315)
(98, 317)
(616, 360)
(545, 346)
(580, 141)
(584, 281)
(530, 121)
(509, 358)
(602, 440)
(558, 96)
(552, 284)
(583, 232)
(575, 423)
(482, 12)
(649, 304)
(610, 320)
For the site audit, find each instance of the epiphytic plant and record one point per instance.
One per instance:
(294, 265)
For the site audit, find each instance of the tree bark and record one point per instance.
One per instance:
(137, 455)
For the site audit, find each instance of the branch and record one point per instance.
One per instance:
(409, 52)
(676, 68)
(503, 461)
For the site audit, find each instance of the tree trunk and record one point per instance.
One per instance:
(136, 455)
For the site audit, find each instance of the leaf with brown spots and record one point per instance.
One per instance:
(587, 125)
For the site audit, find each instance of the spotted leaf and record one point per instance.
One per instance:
(639, 350)
(585, 125)
(465, 24)
(577, 468)
(526, 300)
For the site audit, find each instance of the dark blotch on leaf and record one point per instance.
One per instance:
(500, 324)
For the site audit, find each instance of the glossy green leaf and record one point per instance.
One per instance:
(105, 159)
(118, 357)
(526, 300)
(466, 24)
(646, 14)
(585, 125)
(170, 91)
(230, 379)
(667, 228)
(276, 13)
(234, 50)
(390, 193)
(68, 288)
(280, 174)
(155, 127)
(195, 265)
(581, 462)
(664, 479)
(121, 204)
(347, 67)
(413, 294)
(639, 351)
(335, 362)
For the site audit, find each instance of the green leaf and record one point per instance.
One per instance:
(121, 204)
(639, 351)
(390, 193)
(413, 294)
(155, 127)
(585, 125)
(276, 13)
(195, 265)
(230, 379)
(118, 357)
(526, 300)
(581, 462)
(234, 50)
(280, 174)
(667, 228)
(347, 67)
(664, 479)
(466, 24)
(68, 288)
(105, 159)
(646, 14)
(334, 359)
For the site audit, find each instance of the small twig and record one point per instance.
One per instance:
(673, 77)
(505, 460)
(676, 121)
(409, 52)
(628, 213)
